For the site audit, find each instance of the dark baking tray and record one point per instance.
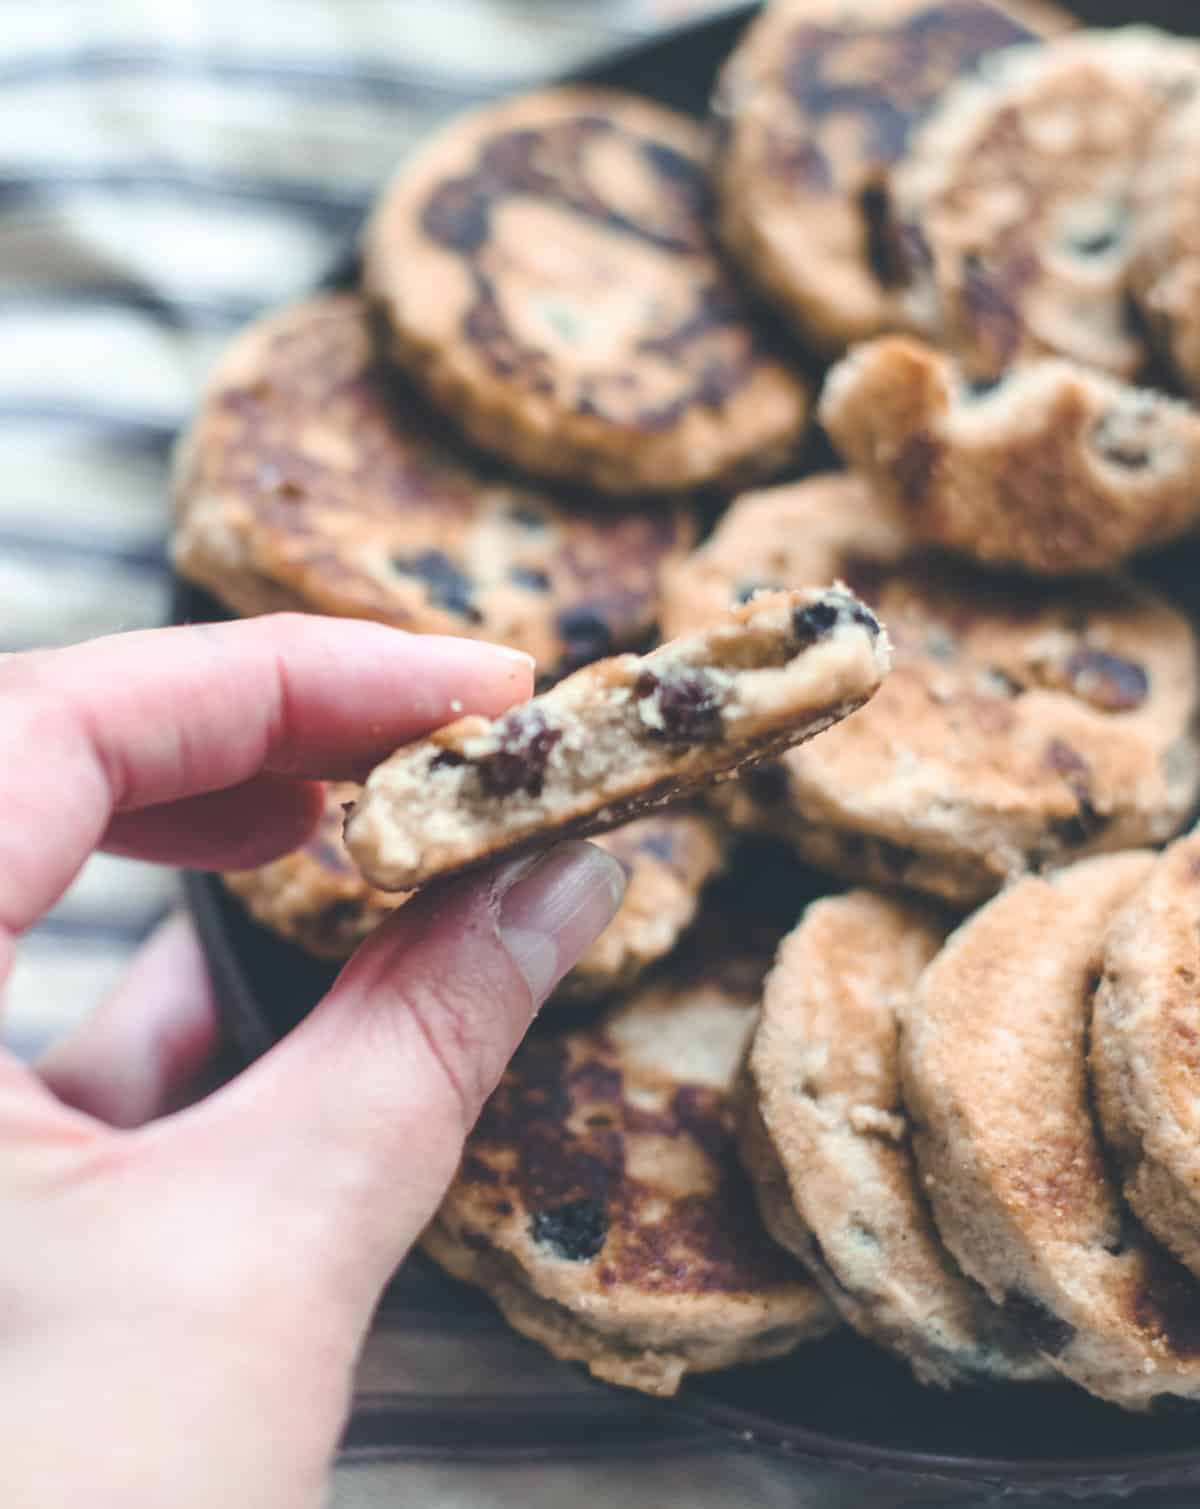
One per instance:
(841, 1401)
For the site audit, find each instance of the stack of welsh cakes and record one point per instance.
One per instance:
(568, 410)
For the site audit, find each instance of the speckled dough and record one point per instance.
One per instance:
(314, 896)
(994, 1075)
(1014, 204)
(313, 479)
(1023, 723)
(1054, 469)
(814, 108)
(601, 1204)
(826, 1140)
(1165, 271)
(1146, 1049)
(548, 271)
(619, 737)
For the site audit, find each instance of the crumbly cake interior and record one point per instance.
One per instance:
(620, 736)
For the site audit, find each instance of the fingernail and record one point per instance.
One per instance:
(554, 908)
(504, 652)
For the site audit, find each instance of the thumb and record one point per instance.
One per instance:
(344, 1137)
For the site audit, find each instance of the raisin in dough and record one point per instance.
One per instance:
(601, 1204)
(619, 737)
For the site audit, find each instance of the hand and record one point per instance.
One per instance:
(183, 1295)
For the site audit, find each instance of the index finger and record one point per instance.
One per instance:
(140, 719)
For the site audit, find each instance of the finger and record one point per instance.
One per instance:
(345, 1136)
(233, 829)
(136, 1054)
(143, 719)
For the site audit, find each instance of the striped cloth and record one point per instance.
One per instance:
(167, 171)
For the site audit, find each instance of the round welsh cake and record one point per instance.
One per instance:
(601, 1203)
(547, 268)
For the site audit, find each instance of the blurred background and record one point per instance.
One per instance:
(168, 170)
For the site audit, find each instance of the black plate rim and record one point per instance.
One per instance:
(1162, 1468)
(246, 1024)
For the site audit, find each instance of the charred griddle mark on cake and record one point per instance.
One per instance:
(1045, 1330)
(551, 164)
(569, 1118)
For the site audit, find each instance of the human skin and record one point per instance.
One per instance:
(184, 1292)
